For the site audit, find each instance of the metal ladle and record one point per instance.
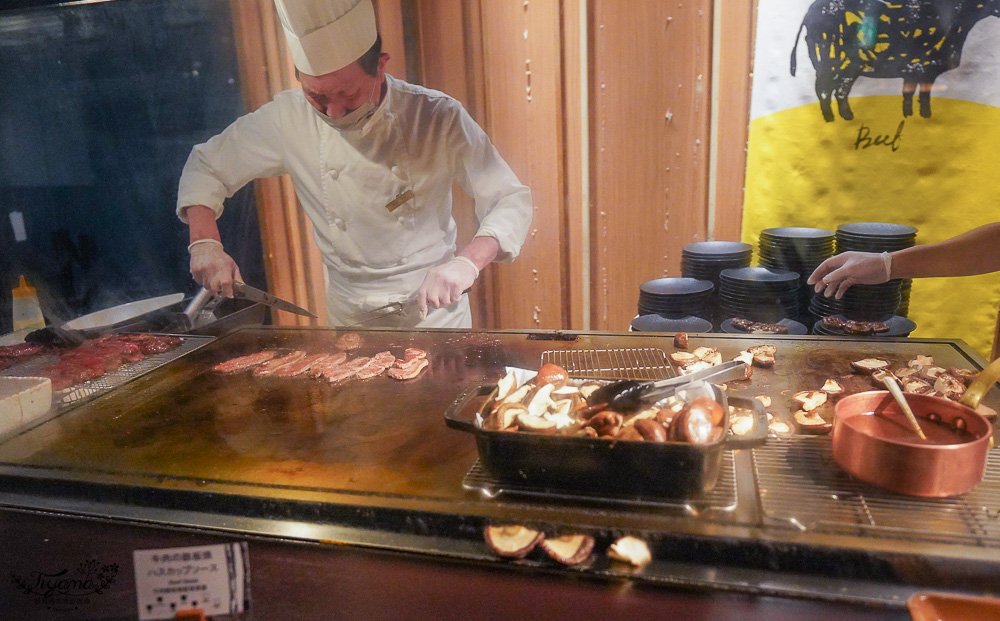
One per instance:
(890, 383)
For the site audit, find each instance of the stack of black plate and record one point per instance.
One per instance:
(796, 249)
(759, 294)
(705, 260)
(880, 237)
(860, 303)
(675, 298)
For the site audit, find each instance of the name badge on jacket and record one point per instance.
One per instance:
(399, 200)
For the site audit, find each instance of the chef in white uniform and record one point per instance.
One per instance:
(372, 159)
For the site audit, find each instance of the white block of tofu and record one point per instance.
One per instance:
(22, 400)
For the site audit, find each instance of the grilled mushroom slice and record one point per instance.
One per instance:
(779, 427)
(832, 387)
(949, 386)
(764, 399)
(917, 386)
(506, 385)
(512, 541)
(809, 400)
(683, 358)
(763, 355)
(681, 340)
(650, 430)
(870, 365)
(503, 416)
(741, 425)
(630, 550)
(569, 549)
(811, 422)
(966, 376)
(703, 352)
(538, 424)
(921, 361)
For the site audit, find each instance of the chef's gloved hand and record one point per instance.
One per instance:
(838, 273)
(212, 268)
(444, 284)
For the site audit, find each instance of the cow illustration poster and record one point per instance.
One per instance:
(882, 111)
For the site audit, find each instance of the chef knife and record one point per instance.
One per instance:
(245, 291)
(392, 308)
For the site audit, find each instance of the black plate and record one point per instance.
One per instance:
(759, 275)
(675, 286)
(793, 326)
(796, 232)
(657, 323)
(877, 229)
(716, 249)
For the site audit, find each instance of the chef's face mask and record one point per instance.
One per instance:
(354, 118)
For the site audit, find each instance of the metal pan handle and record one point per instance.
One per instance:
(451, 415)
(757, 434)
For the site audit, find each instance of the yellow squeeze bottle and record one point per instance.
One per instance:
(27, 312)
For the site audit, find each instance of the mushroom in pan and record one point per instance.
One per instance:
(569, 549)
(681, 340)
(809, 400)
(832, 387)
(631, 550)
(512, 541)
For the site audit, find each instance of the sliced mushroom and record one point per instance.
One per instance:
(565, 392)
(539, 403)
(503, 416)
(917, 386)
(811, 422)
(703, 352)
(779, 427)
(832, 387)
(714, 358)
(537, 424)
(606, 423)
(870, 365)
(763, 360)
(932, 373)
(506, 385)
(560, 408)
(949, 386)
(809, 400)
(569, 549)
(768, 350)
(764, 399)
(683, 358)
(907, 372)
(966, 376)
(741, 425)
(631, 550)
(512, 541)
(921, 361)
(696, 366)
(681, 340)
(517, 395)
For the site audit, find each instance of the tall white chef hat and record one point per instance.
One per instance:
(327, 35)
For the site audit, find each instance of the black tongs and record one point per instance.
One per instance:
(630, 395)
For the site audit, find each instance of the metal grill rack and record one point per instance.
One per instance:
(801, 486)
(113, 378)
(641, 363)
(721, 499)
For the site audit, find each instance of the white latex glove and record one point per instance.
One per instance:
(839, 273)
(444, 284)
(212, 268)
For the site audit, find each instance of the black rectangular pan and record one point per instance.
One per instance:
(663, 469)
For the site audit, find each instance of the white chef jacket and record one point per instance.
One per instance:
(417, 140)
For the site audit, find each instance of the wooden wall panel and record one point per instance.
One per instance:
(576, 161)
(735, 21)
(291, 259)
(650, 107)
(522, 67)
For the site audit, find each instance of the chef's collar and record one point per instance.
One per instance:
(381, 110)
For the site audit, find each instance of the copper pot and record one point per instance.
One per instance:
(873, 442)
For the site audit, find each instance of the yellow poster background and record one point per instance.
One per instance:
(943, 178)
